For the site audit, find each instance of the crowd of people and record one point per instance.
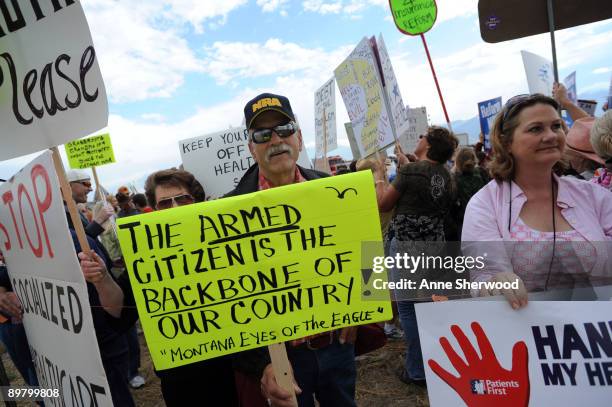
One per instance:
(540, 182)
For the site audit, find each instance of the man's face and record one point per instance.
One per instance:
(278, 155)
(80, 189)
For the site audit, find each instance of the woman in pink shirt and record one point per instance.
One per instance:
(538, 230)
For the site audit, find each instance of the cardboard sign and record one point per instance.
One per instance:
(325, 101)
(394, 96)
(415, 125)
(52, 90)
(414, 17)
(588, 106)
(539, 71)
(570, 85)
(363, 96)
(47, 278)
(218, 160)
(464, 139)
(232, 274)
(549, 353)
(487, 112)
(90, 152)
(504, 20)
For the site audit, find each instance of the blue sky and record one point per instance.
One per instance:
(176, 69)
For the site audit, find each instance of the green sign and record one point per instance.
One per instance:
(90, 152)
(414, 17)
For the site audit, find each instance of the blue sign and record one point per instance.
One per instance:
(568, 120)
(487, 111)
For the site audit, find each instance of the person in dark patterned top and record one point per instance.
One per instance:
(422, 194)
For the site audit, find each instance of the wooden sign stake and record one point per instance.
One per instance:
(99, 196)
(282, 368)
(72, 209)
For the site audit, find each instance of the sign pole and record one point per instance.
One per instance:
(326, 162)
(551, 27)
(72, 209)
(282, 368)
(99, 196)
(436, 81)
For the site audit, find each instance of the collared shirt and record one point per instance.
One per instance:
(585, 206)
(265, 184)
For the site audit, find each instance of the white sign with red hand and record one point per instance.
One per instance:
(550, 353)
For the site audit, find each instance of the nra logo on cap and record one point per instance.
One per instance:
(266, 102)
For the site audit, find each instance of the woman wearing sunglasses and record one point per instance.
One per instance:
(539, 230)
(210, 380)
(422, 194)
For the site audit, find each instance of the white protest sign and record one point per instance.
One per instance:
(363, 96)
(51, 89)
(415, 125)
(464, 139)
(325, 101)
(396, 103)
(539, 71)
(218, 160)
(570, 85)
(549, 353)
(588, 106)
(47, 278)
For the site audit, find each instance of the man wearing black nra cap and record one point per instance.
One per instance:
(324, 364)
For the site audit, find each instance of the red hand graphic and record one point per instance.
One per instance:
(483, 382)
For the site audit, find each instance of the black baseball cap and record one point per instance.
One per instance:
(265, 102)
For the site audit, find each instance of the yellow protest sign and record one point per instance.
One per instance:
(90, 152)
(238, 273)
(361, 89)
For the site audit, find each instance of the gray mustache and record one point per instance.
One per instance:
(280, 148)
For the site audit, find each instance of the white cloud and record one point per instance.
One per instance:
(483, 71)
(268, 6)
(199, 11)
(150, 143)
(451, 9)
(228, 61)
(322, 7)
(141, 46)
(153, 117)
(602, 70)
(594, 86)
(447, 9)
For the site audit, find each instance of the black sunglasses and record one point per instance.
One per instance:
(180, 200)
(261, 136)
(86, 184)
(513, 103)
